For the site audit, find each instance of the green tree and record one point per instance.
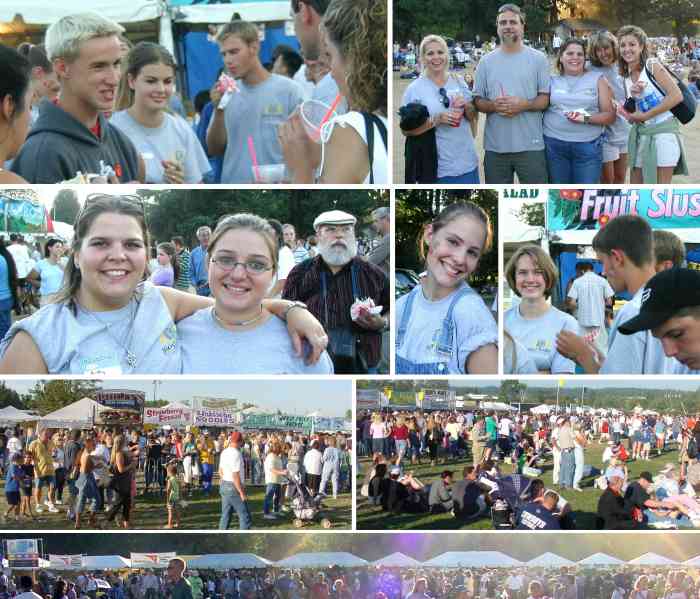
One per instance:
(10, 397)
(510, 390)
(66, 206)
(532, 213)
(47, 396)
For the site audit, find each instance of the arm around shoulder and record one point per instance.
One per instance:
(23, 356)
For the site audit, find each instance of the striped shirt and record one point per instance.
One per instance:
(183, 279)
(304, 284)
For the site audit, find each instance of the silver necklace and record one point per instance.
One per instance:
(236, 323)
(130, 356)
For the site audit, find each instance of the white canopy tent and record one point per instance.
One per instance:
(228, 561)
(652, 559)
(77, 415)
(542, 409)
(550, 560)
(105, 562)
(498, 406)
(12, 414)
(601, 559)
(472, 559)
(322, 560)
(41, 12)
(221, 13)
(397, 560)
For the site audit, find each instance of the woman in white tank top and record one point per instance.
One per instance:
(655, 148)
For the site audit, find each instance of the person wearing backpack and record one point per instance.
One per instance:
(655, 146)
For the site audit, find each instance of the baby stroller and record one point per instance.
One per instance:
(508, 498)
(305, 506)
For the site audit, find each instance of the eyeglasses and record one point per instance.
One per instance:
(112, 201)
(344, 229)
(252, 267)
(445, 99)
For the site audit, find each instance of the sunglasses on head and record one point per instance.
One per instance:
(132, 200)
(445, 100)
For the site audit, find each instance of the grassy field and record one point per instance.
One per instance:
(584, 504)
(202, 512)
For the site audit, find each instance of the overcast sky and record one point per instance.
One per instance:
(327, 397)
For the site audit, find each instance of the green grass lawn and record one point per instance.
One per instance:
(584, 504)
(202, 512)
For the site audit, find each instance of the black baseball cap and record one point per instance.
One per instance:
(665, 294)
(646, 475)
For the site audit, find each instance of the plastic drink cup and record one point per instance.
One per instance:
(270, 173)
(458, 113)
(312, 114)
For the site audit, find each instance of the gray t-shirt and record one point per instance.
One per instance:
(174, 140)
(455, 145)
(79, 343)
(569, 94)
(474, 328)
(639, 353)
(539, 336)
(326, 91)
(619, 131)
(208, 348)
(256, 111)
(525, 75)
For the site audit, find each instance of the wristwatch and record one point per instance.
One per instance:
(291, 307)
(587, 118)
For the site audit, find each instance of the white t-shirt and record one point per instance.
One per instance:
(590, 292)
(230, 462)
(639, 353)
(286, 263)
(312, 461)
(174, 140)
(380, 155)
(539, 335)
(504, 425)
(23, 263)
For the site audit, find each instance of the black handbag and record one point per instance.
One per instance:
(685, 110)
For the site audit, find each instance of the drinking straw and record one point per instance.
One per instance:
(503, 91)
(254, 158)
(331, 110)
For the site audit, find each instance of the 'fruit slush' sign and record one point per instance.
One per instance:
(669, 208)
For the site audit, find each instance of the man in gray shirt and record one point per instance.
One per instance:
(253, 112)
(512, 88)
(379, 255)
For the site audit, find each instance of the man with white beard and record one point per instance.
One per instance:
(331, 283)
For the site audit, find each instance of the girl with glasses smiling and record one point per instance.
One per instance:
(235, 334)
(107, 318)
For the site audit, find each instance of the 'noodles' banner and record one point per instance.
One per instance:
(66, 562)
(666, 208)
(151, 560)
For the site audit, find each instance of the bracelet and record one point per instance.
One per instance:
(291, 307)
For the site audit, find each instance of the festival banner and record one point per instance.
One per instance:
(216, 403)
(22, 212)
(176, 416)
(279, 422)
(215, 417)
(22, 553)
(151, 560)
(66, 562)
(368, 399)
(663, 208)
(120, 406)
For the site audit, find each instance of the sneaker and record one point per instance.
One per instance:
(53, 509)
(269, 517)
(59, 502)
(38, 509)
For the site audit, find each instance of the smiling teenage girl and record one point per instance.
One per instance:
(444, 326)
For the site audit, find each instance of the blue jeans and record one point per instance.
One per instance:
(207, 474)
(273, 492)
(566, 469)
(5, 315)
(231, 502)
(471, 177)
(573, 161)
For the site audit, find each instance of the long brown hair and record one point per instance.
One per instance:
(141, 55)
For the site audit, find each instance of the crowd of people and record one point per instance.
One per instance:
(509, 454)
(66, 121)
(103, 469)
(611, 108)
(249, 276)
(361, 583)
(586, 336)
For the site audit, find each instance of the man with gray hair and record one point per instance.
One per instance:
(379, 254)
(72, 136)
(199, 272)
(331, 284)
